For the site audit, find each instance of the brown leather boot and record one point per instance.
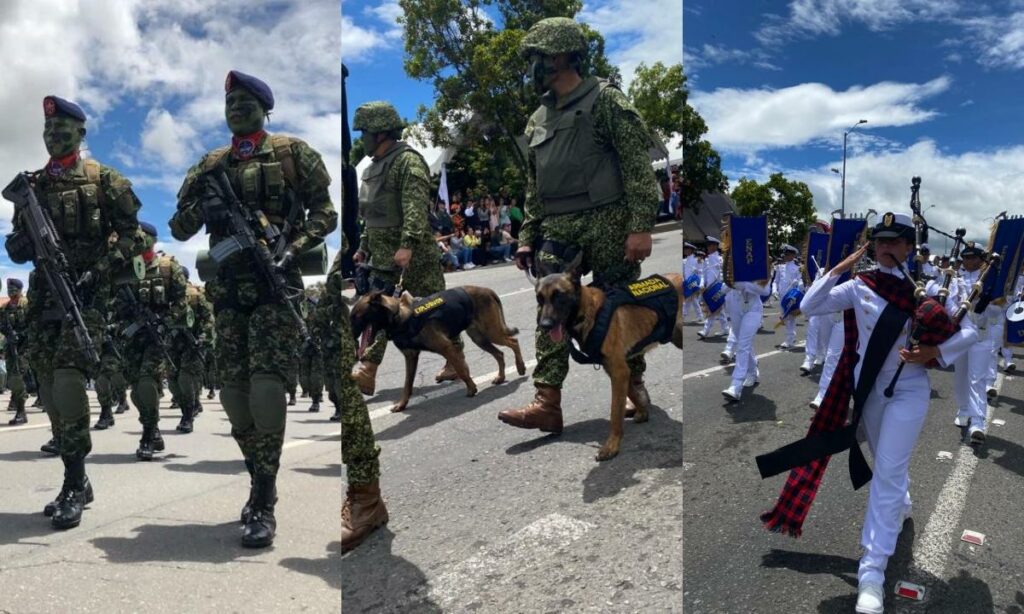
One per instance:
(544, 412)
(637, 395)
(447, 374)
(362, 513)
(365, 376)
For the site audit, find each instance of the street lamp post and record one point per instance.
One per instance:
(846, 134)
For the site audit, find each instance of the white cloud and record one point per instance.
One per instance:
(811, 18)
(638, 32)
(999, 40)
(360, 40)
(168, 141)
(755, 119)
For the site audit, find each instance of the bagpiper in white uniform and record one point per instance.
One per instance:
(745, 309)
(928, 270)
(789, 277)
(819, 331)
(711, 274)
(1007, 352)
(891, 425)
(692, 266)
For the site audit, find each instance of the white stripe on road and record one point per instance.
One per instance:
(932, 550)
(710, 370)
(380, 410)
(516, 292)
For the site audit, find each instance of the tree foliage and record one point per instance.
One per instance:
(657, 93)
(702, 166)
(789, 206)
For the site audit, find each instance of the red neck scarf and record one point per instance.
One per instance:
(58, 166)
(245, 147)
(148, 255)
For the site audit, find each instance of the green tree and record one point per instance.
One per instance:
(476, 71)
(702, 166)
(657, 93)
(789, 206)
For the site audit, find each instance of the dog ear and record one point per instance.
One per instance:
(374, 297)
(574, 268)
(406, 298)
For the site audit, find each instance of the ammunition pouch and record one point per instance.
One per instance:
(19, 247)
(313, 261)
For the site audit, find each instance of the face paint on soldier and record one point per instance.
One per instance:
(62, 135)
(370, 142)
(543, 70)
(243, 112)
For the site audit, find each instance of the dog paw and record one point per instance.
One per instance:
(498, 380)
(397, 407)
(471, 392)
(521, 369)
(641, 415)
(607, 452)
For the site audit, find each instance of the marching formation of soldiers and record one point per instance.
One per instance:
(105, 309)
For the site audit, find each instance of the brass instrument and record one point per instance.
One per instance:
(725, 247)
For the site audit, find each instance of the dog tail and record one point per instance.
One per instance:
(511, 331)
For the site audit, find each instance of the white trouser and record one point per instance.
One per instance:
(744, 326)
(995, 338)
(818, 330)
(790, 330)
(1007, 355)
(970, 379)
(892, 426)
(835, 349)
(730, 341)
(718, 317)
(692, 306)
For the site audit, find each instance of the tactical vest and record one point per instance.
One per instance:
(75, 202)
(261, 183)
(574, 172)
(381, 206)
(655, 293)
(154, 290)
(451, 309)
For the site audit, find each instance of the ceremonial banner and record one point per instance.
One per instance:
(814, 256)
(1006, 241)
(846, 235)
(749, 237)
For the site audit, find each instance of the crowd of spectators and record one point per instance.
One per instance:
(477, 231)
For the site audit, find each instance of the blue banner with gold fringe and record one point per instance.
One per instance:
(1006, 241)
(815, 255)
(749, 237)
(846, 235)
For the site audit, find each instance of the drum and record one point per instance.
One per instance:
(691, 286)
(1015, 323)
(714, 296)
(791, 302)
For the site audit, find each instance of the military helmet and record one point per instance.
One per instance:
(377, 116)
(553, 36)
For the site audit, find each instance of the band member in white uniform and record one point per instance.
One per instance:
(928, 270)
(982, 359)
(745, 309)
(788, 277)
(819, 331)
(1007, 351)
(891, 424)
(691, 266)
(711, 274)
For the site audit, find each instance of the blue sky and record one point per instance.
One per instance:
(150, 76)
(372, 45)
(939, 83)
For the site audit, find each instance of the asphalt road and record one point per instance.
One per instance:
(486, 517)
(734, 565)
(163, 536)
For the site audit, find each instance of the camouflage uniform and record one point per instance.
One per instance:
(13, 316)
(407, 178)
(255, 335)
(599, 231)
(186, 382)
(111, 383)
(359, 449)
(311, 364)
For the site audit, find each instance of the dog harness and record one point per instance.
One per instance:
(452, 310)
(655, 293)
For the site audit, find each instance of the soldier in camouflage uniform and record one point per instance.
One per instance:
(256, 335)
(311, 361)
(13, 324)
(363, 510)
(111, 380)
(589, 188)
(187, 338)
(94, 212)
(162, 293)
(397, 235)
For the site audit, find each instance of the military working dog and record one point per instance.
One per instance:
(432, 323)
(611, 327)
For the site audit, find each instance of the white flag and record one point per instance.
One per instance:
(442, 191)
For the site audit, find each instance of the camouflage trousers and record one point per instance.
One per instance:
(210, 378)
(601, 234)
(423, 276)
(111, 385)
(311, 374)
(359, 448)
(186, 382)
(16, 381)
(256, 351)
(145, 368)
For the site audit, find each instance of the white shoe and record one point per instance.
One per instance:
(991, 392)
(906, 514)
(727, 357)
(784, 345)
(870, 598)
(468, 266)
(819, 361)
(807, 366)
(751, 380)
(1010, 368)
(733, 392)
(701, 334)
(961, 420)
(816, 403)
(977, 434)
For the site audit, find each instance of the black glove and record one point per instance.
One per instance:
(215, 208)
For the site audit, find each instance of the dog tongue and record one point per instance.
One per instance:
(364, 340)
(556, 334)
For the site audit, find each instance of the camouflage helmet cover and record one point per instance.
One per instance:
(377, 116)
(553, 36)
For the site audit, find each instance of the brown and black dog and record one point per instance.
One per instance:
(432, 323)
(568, 308)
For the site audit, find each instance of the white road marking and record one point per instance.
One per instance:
(710, 370)
(515, 292)
(932, 550)
(379, 410)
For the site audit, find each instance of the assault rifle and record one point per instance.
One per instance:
(192, 342)
(222, 208)
(12, 344)
(145, 321)
(50, 260)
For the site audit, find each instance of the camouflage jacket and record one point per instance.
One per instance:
(410, 177)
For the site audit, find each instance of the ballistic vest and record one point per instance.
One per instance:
(574, 172)
(263, 181)
(75, 201)
(380, 205)
(154, 290)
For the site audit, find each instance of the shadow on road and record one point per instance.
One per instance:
(200, 543)
(400, 587)
(27, 455)
(1007, 454)
(754, 407)
(220, 467)
(17, 527)
(330, 471)
(327, 568)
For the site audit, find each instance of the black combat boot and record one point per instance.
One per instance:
(38, 402)
(210, 394)
(19, 417)
(185, 425)
(145, 451)
(197, 408)
(336, 417)
(247, 509)
(291, 398)
(51, 507)
(259, 531)
(174, 403)
(10, 404)
(106, 419)
(157, 439)
(122, 407)
(52, 447)
(305, 395)
(74, 495)
(315, 407)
